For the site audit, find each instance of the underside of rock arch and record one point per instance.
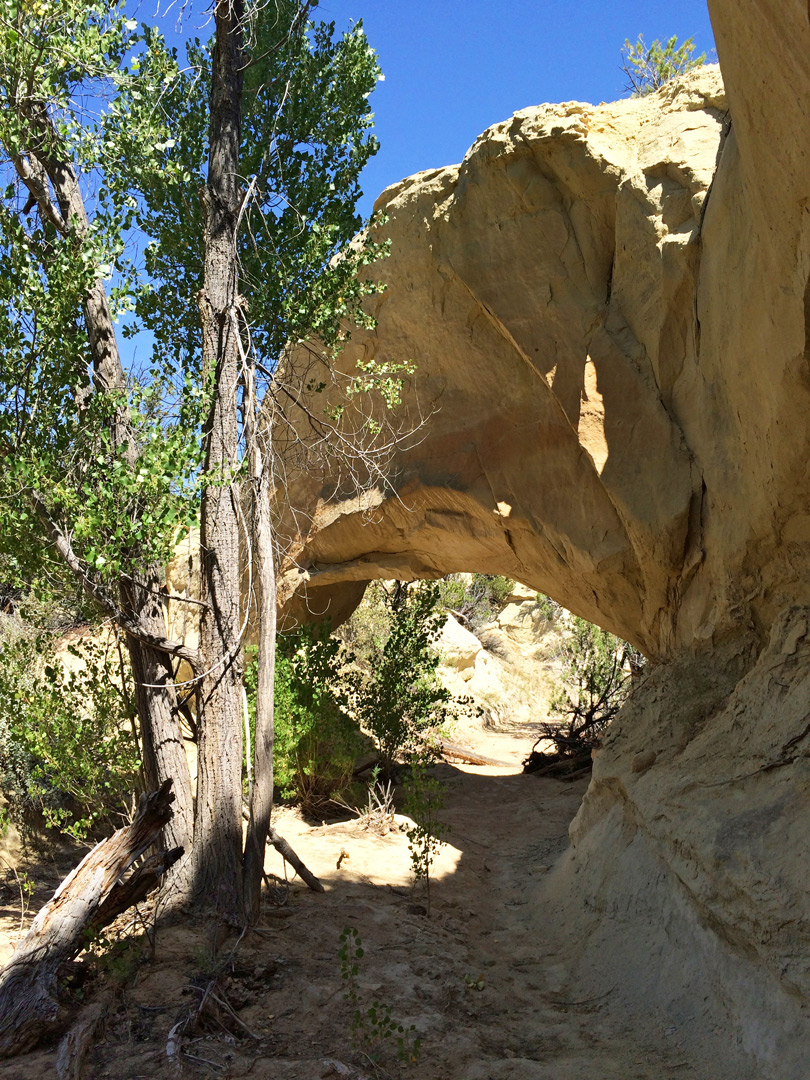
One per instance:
(607, 309)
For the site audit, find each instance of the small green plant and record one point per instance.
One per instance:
(25, 888)
(648, 69)
(68, 745)
(371, 1026)
(380, 811)
(116, 958)
(399, 699)
(424, 801)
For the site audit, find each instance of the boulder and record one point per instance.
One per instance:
(458, 646)
(524, 624)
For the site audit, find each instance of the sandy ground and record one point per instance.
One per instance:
(484, 980)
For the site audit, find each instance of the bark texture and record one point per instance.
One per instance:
(89, 898)
(218, 825)
(164, 754)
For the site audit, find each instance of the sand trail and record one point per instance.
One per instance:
(486, 980)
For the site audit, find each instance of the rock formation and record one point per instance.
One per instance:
(509, 668)
(608, 312)
(545, 290)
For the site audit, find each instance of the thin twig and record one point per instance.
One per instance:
(23, 902)
(203, 1061)
(230, 1011)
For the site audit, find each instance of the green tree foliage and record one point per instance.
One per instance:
(649, 68)
(400, 699)
(139, 152)
(306, 136)
(317, 743)
(54, 435)
(68, 746)
(475, 599)
(592, 686)
(366, 631)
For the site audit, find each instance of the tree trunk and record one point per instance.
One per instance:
(164, 753)
(218, 825)
(261, 795)
(155, 692)
(89, 898)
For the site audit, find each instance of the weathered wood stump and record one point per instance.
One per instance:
(87, 900)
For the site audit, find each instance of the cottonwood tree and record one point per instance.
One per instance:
(210, 204)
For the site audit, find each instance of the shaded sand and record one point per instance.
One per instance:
(484, 980)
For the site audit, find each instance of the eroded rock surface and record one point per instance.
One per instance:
(545, 290)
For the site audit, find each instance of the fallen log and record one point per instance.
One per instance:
(89, 898)
(560, 766)
(287, 853)
(453, 752)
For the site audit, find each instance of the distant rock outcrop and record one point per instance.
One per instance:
(609, 310)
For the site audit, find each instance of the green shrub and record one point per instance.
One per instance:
(648, 69)
(399, 700)
(366, 630)
(549, 609)
(475, 599)
(68, 748)
(317, 743)
(593, 684)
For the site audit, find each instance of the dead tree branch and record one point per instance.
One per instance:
(88, 899)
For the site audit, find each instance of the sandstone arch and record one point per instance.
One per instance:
(536, 288)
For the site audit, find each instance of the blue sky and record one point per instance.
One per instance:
(453, 67)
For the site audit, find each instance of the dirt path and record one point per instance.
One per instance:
(483, 980)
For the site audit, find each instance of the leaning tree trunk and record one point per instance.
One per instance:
(155, 692)
(218, 824)
(88, 899)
